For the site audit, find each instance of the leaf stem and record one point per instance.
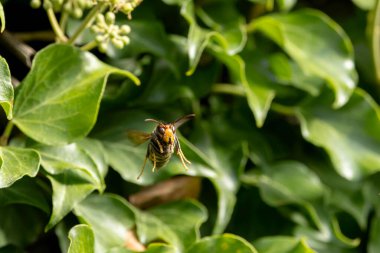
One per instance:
(90, 45)
(86, 22)
(283, 109)
(228, 89)
(63, 20)
(54, 24)
(7, 132)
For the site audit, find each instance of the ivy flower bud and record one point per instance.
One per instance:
(110, 18)
(35, 4)
(125, 29)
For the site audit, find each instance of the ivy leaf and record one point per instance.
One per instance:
(310, 34)
(26, 191)
(18, 218)
(56, 105)
(222, 243)
(184, 218)
(228, 32)
(74, 170)
(6, 88)
(289, 73)
(16, 163)
(374, 244)
(287, 182)
(152, 248)
(177, 223)
(258, 88)
(349, 135)
(282, 244)
(81, 239)
(110, 218)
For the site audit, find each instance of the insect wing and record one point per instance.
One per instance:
(177, 123)
(138, 137)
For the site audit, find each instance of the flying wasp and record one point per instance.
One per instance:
(163, 142)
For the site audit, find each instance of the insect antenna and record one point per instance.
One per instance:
(178, 122)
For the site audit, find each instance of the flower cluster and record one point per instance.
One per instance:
(73, 7)
(109, 32)
(125, 6)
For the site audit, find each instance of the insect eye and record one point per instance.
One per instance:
(161, 130)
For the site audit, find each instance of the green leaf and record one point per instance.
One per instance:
(59, 104)
(75, 170)
(26, 191)
(286, 4)
(182, 217)
(287, 182)
(16, 163)
(257, 87)
(110, 217)
(221, 164)
(225, 243)
(374, 243)
(228, 31)
(2, 18)
(282, 244)
(17, 218)
(81, 239)
(365, 4)
(149, 36)
(349, 135)
(309, 34)
(152, 248)
(6, 88)
(288, 72)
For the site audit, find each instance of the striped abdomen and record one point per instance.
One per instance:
(156, 156)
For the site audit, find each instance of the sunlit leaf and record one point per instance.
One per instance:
(6, 88)
(227, 31)
(75, 170)
(152, 248)
(184, 218)
(282, 244)
(309, 34)
(58, 101)
(110, 218)
(16, 163)
(365, 4)
(81, 239)
(349, 135)
(223, 244)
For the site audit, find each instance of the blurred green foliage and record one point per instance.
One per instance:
(284, 149)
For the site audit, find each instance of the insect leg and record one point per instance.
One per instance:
(154, 161)
(142, 169)
(183, 158)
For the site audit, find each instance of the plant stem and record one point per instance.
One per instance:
(7, 132)
(54, 24)
(228, 89)
(283, 109)
(63, 20)
(86, 22)
(90, 45)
